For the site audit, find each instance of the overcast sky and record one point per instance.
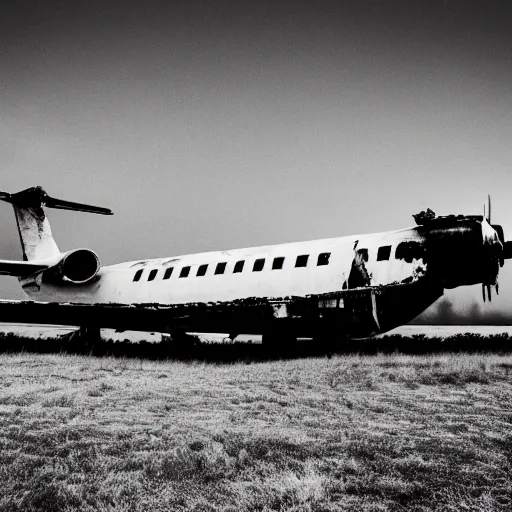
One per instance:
(212, 125)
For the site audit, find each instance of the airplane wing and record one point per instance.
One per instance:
(192, 317)
(249, 315)
(20, 268)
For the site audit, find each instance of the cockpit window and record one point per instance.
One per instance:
(152, 274)
(168, 272)
(138, 275)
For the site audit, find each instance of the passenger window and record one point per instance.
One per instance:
(168, 272)
(323, 259)
(138, 275)
(239, 266)
(258, 265)
(219, 269)
(383, 253)
(201, 271)
(409, 251)
(302, 260)
(185, 271)
(277, 264)
(152, 274)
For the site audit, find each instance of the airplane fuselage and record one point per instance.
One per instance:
(325, 266)
(359, 285)
(379, 280)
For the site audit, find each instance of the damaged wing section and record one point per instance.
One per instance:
(356, 313)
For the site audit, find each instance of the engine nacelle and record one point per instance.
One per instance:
(78, 266)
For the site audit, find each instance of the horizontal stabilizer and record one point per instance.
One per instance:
(20, 268)
(37, 196)
(51, 202)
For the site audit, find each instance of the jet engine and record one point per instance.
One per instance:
(77, 266)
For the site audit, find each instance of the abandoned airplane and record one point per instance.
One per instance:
(355, 286)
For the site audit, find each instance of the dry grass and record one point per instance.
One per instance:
(370, 433)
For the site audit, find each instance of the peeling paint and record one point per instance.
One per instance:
(169, 261)
(35, 233)
(142, 263)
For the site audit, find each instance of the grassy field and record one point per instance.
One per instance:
(361, 433)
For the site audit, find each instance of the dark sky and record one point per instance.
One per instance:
(212, 125)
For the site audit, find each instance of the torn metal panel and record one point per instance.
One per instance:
(374, 311)
(424, 217)
(359, 276)
(410, 250)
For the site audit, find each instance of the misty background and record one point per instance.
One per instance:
(208, 125)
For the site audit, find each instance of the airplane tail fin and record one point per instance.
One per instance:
(33, 226)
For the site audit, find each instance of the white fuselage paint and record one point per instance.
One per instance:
(115, 284)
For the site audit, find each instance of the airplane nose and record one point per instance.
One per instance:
(507, 246)
(493, 256)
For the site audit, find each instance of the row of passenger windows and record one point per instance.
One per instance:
(383, 253)
(406, 250)
(220, 268)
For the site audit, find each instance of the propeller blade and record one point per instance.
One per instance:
(497, 288)
(489, 292)
(489, 208)
(483, 291)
